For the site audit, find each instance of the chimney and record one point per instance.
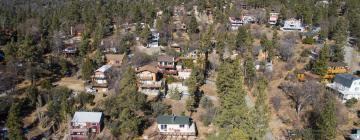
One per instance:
(173, 118)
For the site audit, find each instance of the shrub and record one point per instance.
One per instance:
(46, 84)
(170, 79)
(175, 94)
(309, 40)
(351, 102)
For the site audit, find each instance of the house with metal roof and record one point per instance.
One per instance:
(85, 125)
(175, 125)
(100, 78)
(347, 85)
(293, 25)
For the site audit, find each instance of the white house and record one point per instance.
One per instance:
(183, 73)
(293, 25)
(235, 23)
(175, 125)
(347, 85)
(153, 42)
(273, 18)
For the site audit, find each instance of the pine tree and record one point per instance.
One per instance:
(13, 123)
(261, 112)
(243, 39)
(327, 122)
(233, 112)
(87, 68)
(249, 71)
(340, 32)
(337, 54)
(321, 64)
(193, 25)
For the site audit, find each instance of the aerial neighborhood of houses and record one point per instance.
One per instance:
(179, 71)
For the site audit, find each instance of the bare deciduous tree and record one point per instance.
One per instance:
(302, 94)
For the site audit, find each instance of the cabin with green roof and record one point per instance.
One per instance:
(175, 125)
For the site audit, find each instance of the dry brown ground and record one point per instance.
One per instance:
(72, 83)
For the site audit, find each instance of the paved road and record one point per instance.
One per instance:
(352, 58)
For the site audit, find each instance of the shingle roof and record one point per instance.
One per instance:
(93, 117)
(148, 67)
(168, 119)
(165, 58)
(115, 57)
(345, 79)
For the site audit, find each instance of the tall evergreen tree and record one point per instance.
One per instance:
(261, 112)
(243, 39)
(87, 68)
(234, 112)
(13, 123)
(249, 71)
(327, 122)
(193, 25)
(321, 64)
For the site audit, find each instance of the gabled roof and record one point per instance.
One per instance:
(345, 79)
(103, 68)
(149, 67)
(168, 119)
(166, 58)
(93, 117)
(115, 57)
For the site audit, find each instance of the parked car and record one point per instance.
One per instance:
(90, 89)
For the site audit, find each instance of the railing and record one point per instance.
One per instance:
(156, 84)
(72, 130)
(166, 66)
(178, 133)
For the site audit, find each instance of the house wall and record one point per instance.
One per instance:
(184, 74)
(115, 63)
(86, 127)
(145, 75)
(355, 87)
(175, 128)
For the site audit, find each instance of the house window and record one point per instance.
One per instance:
(182, 126)
(93, 124)
(163, 127)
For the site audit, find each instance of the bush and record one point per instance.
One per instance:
(170, 79)
(46, 84)
(309, 40)
(175, 94)
(208, 116)
(205, 102)
(350, 103)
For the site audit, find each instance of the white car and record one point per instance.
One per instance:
(90, 89)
